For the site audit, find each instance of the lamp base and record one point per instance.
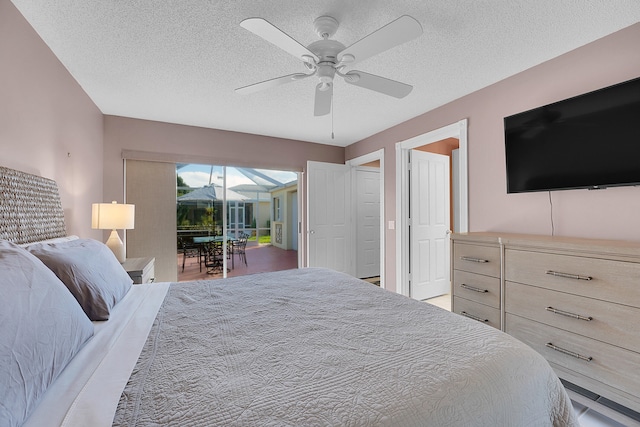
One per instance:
(117, 247)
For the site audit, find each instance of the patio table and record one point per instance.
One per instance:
(204, 240)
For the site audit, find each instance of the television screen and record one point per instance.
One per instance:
(589, 141)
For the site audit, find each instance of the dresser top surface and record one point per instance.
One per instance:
(533, 241)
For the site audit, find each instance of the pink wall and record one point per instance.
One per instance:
(48, 125)
(194, 144)
(189, 143)
(611, 214)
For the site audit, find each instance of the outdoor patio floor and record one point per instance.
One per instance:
(260, 259)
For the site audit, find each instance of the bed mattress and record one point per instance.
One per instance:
(310, 347)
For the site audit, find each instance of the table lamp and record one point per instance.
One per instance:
(113, 216)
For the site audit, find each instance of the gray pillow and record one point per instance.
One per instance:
(41, 328)
(91, 272)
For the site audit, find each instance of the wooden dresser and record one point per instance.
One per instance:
(575, 301)
(476, 278)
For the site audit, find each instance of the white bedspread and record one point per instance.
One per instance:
(314, 347)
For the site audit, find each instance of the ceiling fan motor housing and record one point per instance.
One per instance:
(327, 53)
(326, 50)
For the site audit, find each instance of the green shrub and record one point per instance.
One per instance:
(264, 240)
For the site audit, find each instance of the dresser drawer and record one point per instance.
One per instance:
(480, 312)
(477, 259)
(149, 274)
(600, 320)
(615, 281)
(477, 287)
(609, 365)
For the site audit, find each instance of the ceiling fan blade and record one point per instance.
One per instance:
(274, 35)
(323, 100)
(378, 84)
(393, 34)
(271, 83)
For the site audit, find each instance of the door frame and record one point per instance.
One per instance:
(455, 130)
(359, 161)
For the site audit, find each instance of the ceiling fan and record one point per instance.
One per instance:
(325, 58)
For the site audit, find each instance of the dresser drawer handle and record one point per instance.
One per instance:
(569, 352)
(471, 316)
(568, 314)
(473, 288)
(568, 275)
(468, 258)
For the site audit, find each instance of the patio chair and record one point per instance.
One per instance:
(213, 257)
(239, 247)
(188, 249)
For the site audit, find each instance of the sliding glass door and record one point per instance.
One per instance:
(230, 205)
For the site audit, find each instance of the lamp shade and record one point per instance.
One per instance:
(112, 216)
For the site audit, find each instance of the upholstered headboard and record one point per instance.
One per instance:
(30, 207)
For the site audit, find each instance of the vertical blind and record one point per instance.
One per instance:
(151, 187)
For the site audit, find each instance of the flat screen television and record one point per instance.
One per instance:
(589, 141)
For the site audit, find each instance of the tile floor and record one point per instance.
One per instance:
(374, 280)
(443, 301)
(590, 418)
(587, 417)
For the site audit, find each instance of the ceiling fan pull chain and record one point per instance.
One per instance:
(332, 137)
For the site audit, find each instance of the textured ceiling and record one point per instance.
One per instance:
(179, 61)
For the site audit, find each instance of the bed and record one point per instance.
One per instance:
(308, 347)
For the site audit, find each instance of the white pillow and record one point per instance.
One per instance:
(54, 240)
(41, 328)
(91, 272)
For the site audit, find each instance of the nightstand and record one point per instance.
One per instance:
(141, 270)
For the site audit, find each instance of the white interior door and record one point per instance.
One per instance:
(429, 225)
(293, 202)
(367, 251)
(329, 216)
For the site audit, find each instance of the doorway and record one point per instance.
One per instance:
(367, 222)
(332, 214)
(458, 195)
